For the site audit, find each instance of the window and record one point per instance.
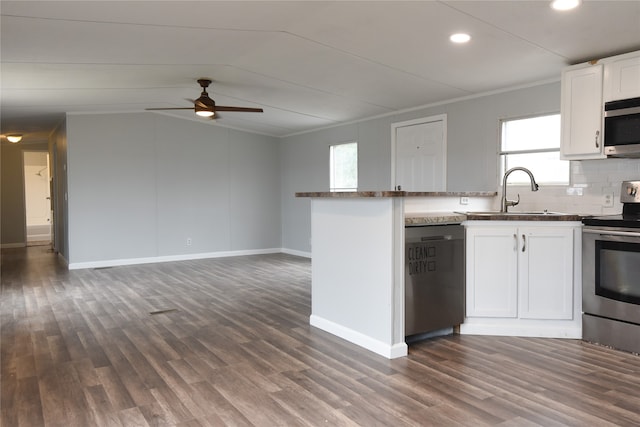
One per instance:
(343, 160)
(533, 143)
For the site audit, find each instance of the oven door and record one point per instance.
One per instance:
(611, 273)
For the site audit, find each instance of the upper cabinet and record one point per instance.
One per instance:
(585, 89)
(581, 112)
(622, 77)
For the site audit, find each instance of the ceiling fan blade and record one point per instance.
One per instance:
(205, 106)
(177, 108)
(240, 109)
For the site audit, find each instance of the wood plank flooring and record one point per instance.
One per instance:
(231, 345)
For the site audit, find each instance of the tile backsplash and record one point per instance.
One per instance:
(594, 179)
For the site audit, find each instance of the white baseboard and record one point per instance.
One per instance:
(295, 252)
(389, 351)
(13, 245)
(182, 257)
(168, 258)
(568, 332)
(39, 238)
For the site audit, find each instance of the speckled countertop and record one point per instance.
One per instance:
(433, 218)
(516, 216)
(384, 193)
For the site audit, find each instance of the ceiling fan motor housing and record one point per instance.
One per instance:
(205, 106)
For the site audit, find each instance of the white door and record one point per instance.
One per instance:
(37, 196)
(420, 154)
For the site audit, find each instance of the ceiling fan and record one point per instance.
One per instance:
(206, 107)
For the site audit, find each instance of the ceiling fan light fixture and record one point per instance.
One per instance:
(460, 38)
(14, 138)
(565, 4)
(206, 107)
(205, 113)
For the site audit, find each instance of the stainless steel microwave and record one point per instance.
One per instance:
(622, 128)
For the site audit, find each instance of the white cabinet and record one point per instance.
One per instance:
(585, 89)
(622, 77)
(522, 278)
(492, 272)
(545, 273)
(581, 112)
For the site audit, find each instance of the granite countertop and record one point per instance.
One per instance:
(392, 193)
(450, 193)
(433, 218)
(522, 216)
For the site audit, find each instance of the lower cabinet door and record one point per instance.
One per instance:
(492, 272)
(545, 277)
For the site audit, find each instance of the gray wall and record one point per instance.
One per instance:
(472, 144)
(141, 184)
(12, 202)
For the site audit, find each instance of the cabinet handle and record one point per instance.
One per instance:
(524, 242)
(597, 135)
(515, 242)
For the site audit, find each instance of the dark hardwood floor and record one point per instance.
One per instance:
(229, 343)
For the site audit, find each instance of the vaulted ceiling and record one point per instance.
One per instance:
(308, 64)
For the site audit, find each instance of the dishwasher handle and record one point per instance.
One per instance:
(441, 237)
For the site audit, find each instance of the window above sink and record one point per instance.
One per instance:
(533, 143)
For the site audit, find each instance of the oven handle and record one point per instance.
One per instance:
(611, 232)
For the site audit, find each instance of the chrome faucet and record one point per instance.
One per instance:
(504, 203)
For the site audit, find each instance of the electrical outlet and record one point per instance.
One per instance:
(188, 241)
(607, 200)
(574, 191)
(464, 200)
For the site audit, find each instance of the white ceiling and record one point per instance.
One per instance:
(308, 64)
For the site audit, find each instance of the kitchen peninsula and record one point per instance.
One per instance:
(357, 247)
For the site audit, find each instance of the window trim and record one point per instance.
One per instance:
(501, 153)
(331, 172)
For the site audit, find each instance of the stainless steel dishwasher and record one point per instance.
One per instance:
(434, 279)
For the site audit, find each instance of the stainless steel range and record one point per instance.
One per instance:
(611, 275)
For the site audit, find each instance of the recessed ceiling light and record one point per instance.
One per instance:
(565, 4)
(460, 38)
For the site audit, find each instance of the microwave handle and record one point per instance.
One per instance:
(597, 135)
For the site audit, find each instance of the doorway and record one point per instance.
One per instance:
(37, 197)
(419, 154)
